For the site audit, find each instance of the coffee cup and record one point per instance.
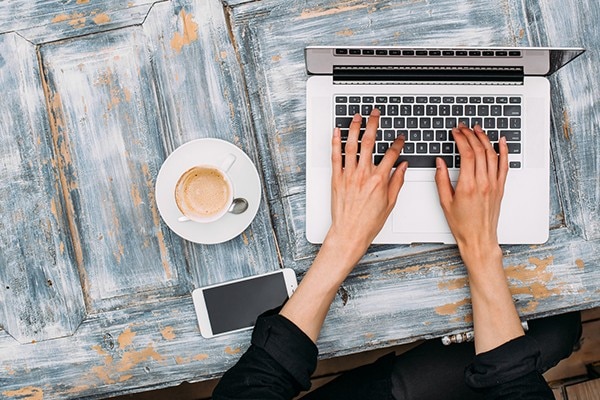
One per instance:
(204, 193)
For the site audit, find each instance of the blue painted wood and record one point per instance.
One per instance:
(40, 294)
(112, 100)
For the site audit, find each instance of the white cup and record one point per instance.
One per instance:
(204, 193)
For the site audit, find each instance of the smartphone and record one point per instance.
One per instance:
(235, 305)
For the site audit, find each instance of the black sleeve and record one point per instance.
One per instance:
(510, 371)
(278, 364)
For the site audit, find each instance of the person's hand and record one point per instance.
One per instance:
(473, 208)
(363, 194)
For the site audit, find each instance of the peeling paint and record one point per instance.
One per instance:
(451, 308)
(190, 32)
(26, 393)
(168, 333)
(126, 338)
(229, 350)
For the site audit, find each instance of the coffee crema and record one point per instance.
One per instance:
(202, 192)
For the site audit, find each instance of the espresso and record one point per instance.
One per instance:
(202, 193)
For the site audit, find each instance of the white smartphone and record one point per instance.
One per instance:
(235, 305)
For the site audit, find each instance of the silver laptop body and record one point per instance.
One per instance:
(503, 89)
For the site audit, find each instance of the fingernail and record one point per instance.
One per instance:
(356, 118)
(404, 166)
(375, 112)
(503, 139)
(462, 124)
(337, 132)
(438, 162)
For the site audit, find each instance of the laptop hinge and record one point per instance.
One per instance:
(427, 75)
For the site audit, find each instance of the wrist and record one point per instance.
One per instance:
(342, 252)
(481, 256)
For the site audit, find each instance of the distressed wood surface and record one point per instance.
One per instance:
(102, 92)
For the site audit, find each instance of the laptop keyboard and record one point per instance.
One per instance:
(427, 121)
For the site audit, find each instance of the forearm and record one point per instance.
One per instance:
(308, 306)
(495, 317)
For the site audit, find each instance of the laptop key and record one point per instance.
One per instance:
(457, 110)
(381, 108)
(408, 99)
(366, 109)
(450, 123)
(421, 148)
(422, 161)
(444, 109)
(385, 122)
(399, 123)
(353, 109)
(354, 99)
(476, 121)
(421, 99)
(496, 111)
(511, 136)
(511, 111)
(502, 123)
(392, 109)
(412, 123)
(431, 109)
(441, 135)
(428, 135)
(341, 99)
(470, 110)
(389, 135)
(408, 148)
(405, 109)
(513, 148)
(414, 136)
(368, 99)
(434, 148)
(424, 123)
(340, 109)
(438, 123)
(515, 123)
(464, 120)
(489, 123)
(419, 109)
(381, 99)
(447, 148)
(492, 135)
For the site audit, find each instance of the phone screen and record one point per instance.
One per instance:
(237, 305)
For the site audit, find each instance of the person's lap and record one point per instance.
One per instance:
(432, 370)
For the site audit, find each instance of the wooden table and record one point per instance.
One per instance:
(95, 288)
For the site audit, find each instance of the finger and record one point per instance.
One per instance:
(396, 183)
(391, 155)
(467, 156)
(442, 181)
(490, 153)
(351, 148)
(503, 163)
(481, 171)
(368, 140)
(336, 155)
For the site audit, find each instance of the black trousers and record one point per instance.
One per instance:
(434, 371)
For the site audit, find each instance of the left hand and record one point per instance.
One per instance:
(363, 194)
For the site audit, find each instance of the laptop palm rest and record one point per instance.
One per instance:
(418, 209)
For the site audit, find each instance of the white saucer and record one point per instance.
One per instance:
(243, 174)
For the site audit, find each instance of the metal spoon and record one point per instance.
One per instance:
(238, 206)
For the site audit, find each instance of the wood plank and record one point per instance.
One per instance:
(200, 89)
(575, 116)
(146, 346)
(109, 141)
(584, 391)
(41, 21)
(40, 293)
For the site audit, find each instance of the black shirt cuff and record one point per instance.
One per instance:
(512, 360)
(287, 345)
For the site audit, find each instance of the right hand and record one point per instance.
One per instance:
(473, 208)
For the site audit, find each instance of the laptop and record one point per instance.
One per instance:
(422, 93)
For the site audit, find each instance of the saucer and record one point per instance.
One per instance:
(243, 175)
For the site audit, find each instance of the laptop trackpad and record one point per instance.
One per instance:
(418, 210)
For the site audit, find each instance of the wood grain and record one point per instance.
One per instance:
(40, 293)
(93, 108)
